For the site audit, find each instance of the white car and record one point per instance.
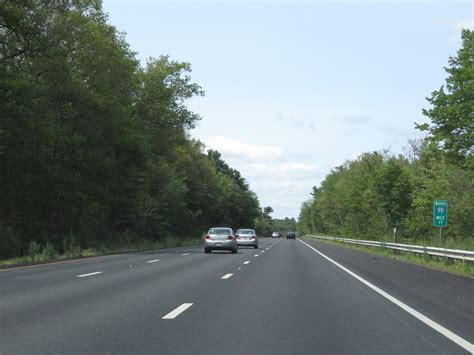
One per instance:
(247, 237)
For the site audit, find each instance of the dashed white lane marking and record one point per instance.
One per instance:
(177, 311)
(256, 255)
(262, 251)
(267, 248)
(185, 254)
(91, 274)
(275, 243)
(438, 327)
(226, 276)
(246, 262)
(153, 261)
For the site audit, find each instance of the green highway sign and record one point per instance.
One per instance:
(440, 213)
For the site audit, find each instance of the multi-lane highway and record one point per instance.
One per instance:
(288, 297)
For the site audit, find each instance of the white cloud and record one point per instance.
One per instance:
(280, 170)
(284, 193)
(237, 148)
(278, 181)
(282, 185)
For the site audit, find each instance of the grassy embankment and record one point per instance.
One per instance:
(38, 254)
(459, 267)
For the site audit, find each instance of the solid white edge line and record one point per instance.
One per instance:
(246, 262)
(226, 276)
(438, 327)
(153, 261)
(177, 311)
(91, 274)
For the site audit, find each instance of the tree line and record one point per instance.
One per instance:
(265, 224)
(369, 196)
(94, 148)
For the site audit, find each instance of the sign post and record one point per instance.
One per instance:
(440, 215)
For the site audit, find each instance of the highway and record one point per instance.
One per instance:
(287, 297)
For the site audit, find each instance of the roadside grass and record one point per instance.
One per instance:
(459, 267)
(37, 253)
(466, 243)
(448, 243)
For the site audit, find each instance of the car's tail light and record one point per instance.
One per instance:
(238, 237)
(208, 237)
(229, 237)
(254, 237)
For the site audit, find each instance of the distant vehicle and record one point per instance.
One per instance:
(220, 238)
(291, 235)
(247, 237)
(276, 235)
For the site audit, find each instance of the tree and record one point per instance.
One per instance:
(267, 211)
(165, 86)
(94, 149)
(284, 224)
(393, 187)
(264, 222)
(452, 111)
(367, 196)
(305, 225)
(433, 176)
(222, 167)
(64, 119)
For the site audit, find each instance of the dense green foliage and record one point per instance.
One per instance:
(284, 224)
(94, 149)
(266, 224)
(452, 111)
(369, 196)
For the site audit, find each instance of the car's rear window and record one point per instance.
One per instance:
(219, 231)
(245, 231)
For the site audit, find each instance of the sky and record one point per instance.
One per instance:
(294, 89)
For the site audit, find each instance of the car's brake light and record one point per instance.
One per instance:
(254, 237)
(208, 237)
(238, 237)
(229, 237)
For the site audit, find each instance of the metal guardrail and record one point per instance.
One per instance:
(420, 249)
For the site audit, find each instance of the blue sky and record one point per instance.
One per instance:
(294, 89)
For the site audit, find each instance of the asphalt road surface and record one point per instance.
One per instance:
(287, 297)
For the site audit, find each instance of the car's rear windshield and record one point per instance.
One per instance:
(219, 231)
(245, 231)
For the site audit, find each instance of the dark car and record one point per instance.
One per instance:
(291, 235)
